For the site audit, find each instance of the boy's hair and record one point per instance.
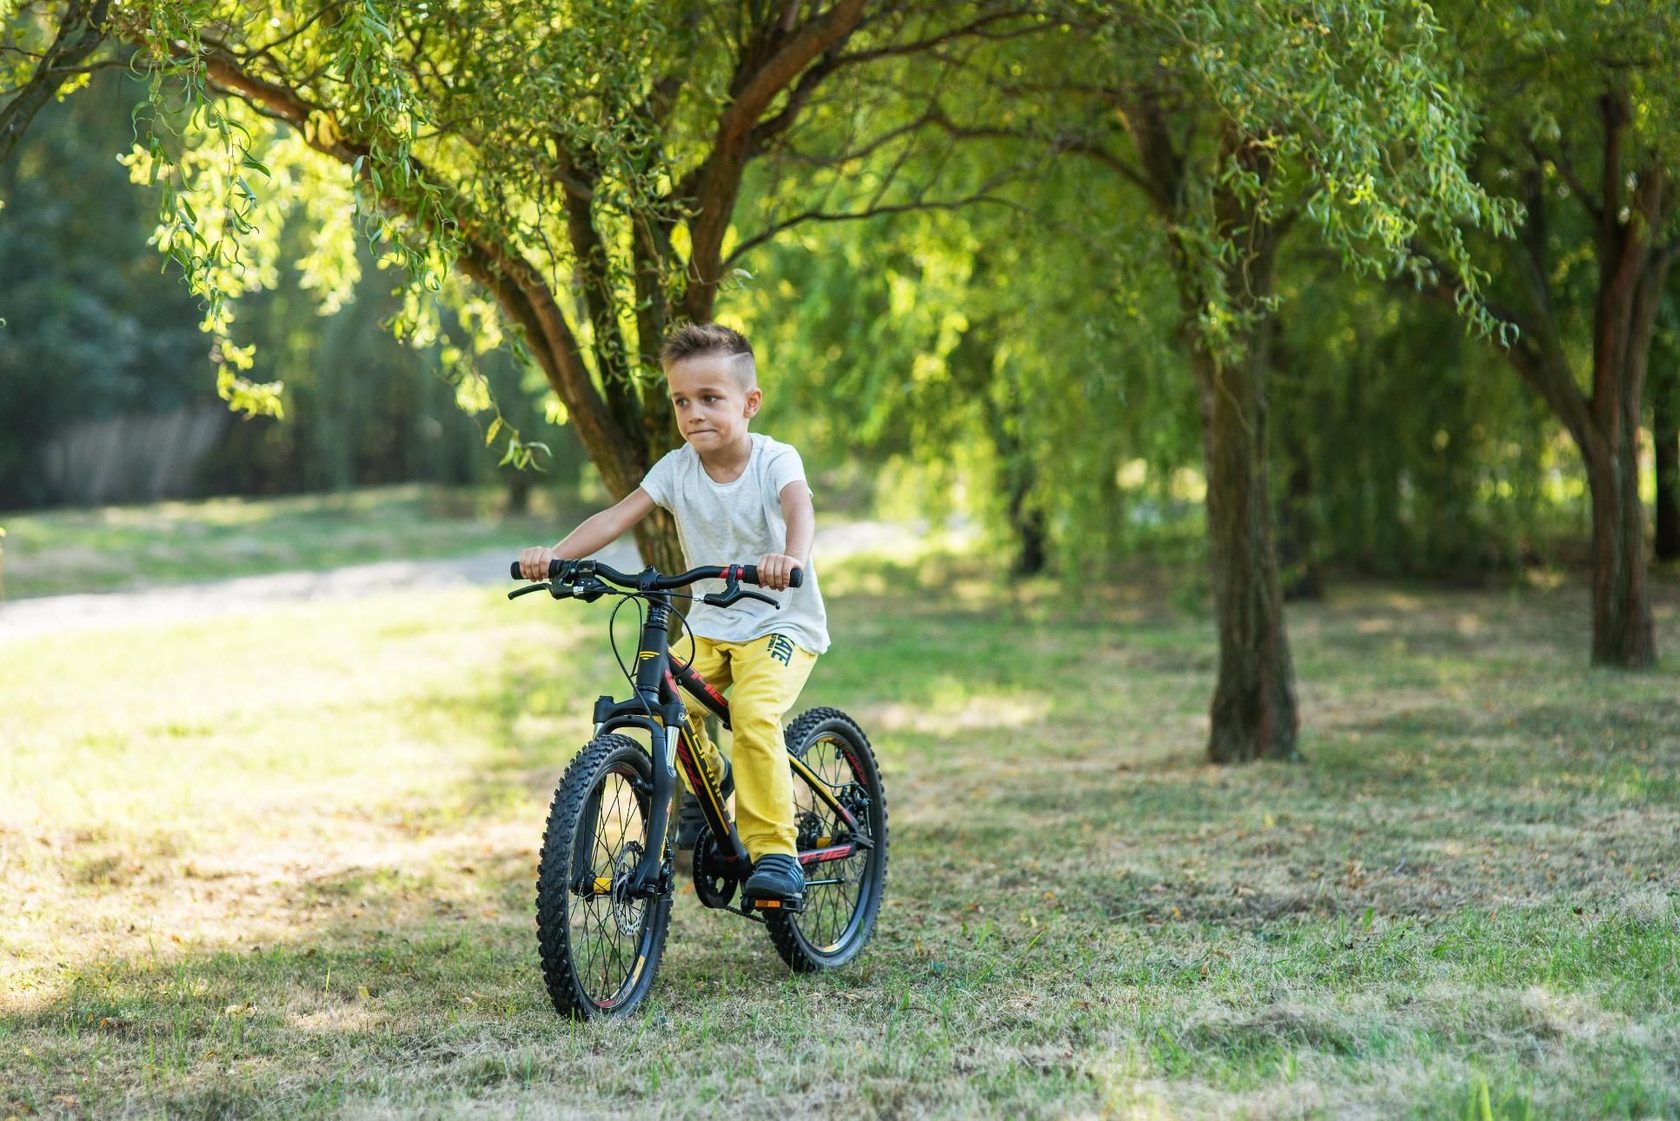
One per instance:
(693, 339)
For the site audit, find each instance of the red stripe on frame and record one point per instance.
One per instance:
(832, 852)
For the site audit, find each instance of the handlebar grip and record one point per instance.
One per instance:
(749, 573)
(555, 569)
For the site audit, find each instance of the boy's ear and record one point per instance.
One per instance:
(755, 398)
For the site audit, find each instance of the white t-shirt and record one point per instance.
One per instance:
(736, 523)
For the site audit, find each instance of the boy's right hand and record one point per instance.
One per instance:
(533, 562)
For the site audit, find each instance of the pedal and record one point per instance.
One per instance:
(792, 905)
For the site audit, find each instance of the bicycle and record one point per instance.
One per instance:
(606, 879)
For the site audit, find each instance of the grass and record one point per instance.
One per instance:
(285, 869)
(118, 547)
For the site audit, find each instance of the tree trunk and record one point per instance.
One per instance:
(1254, 713)
(1630, 292)
(1623, 632)
(1254, 710)
(1605, 424)
(518, 492)
(1665, 433)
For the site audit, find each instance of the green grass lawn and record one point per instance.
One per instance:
(116, 547)
(281, 864)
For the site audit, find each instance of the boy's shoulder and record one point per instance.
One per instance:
(769, 446)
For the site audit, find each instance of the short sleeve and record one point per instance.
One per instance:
(785, 467)
(660, 481)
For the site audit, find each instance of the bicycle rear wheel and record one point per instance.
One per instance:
(842, 896)
(600, 944)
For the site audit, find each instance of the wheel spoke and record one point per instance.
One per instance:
(609, 928)
(833, 901)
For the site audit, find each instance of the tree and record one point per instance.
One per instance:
(1238, 122)
(1581, 101)
(579, 166)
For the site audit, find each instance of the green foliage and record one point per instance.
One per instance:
(95, 332)
(1425, 458)
(89, 330)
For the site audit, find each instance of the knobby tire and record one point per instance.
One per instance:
(838, 918)
(600, 950)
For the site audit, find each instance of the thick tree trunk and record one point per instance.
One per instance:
(1630, 292)
(1604, 424)
(1623, 631)
(1254, 713)
(1665, 433)
(1254, 709)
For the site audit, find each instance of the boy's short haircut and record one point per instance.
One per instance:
(692, 339)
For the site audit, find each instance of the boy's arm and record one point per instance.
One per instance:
(801, 518)
(592, 535)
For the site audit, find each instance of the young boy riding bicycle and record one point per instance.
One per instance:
(734, 494)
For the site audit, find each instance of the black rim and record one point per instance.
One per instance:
(607, 926)
(837, 892)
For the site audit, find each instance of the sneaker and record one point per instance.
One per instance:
(776, 876)
(690, 818)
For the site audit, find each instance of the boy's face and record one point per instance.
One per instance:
(712, 406)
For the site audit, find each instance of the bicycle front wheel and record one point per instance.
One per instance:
(840, 813)
(600, 943)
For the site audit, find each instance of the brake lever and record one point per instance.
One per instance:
(730, 597)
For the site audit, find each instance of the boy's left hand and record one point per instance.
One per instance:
(775, 569)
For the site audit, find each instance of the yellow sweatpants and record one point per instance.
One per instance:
(764, 678)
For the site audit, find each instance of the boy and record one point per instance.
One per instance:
(734, 495)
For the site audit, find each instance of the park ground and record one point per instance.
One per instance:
(276, 859)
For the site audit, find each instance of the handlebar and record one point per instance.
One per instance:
(587, 580)
(649, 580)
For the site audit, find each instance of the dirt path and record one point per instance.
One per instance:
(52, 614)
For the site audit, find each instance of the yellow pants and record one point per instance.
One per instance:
(764, 678)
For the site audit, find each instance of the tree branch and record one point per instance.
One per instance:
(717, 182)
(79, 35)
(1536, 355)
(516, 284)
(772, 231)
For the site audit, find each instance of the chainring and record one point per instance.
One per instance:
(713, 885)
